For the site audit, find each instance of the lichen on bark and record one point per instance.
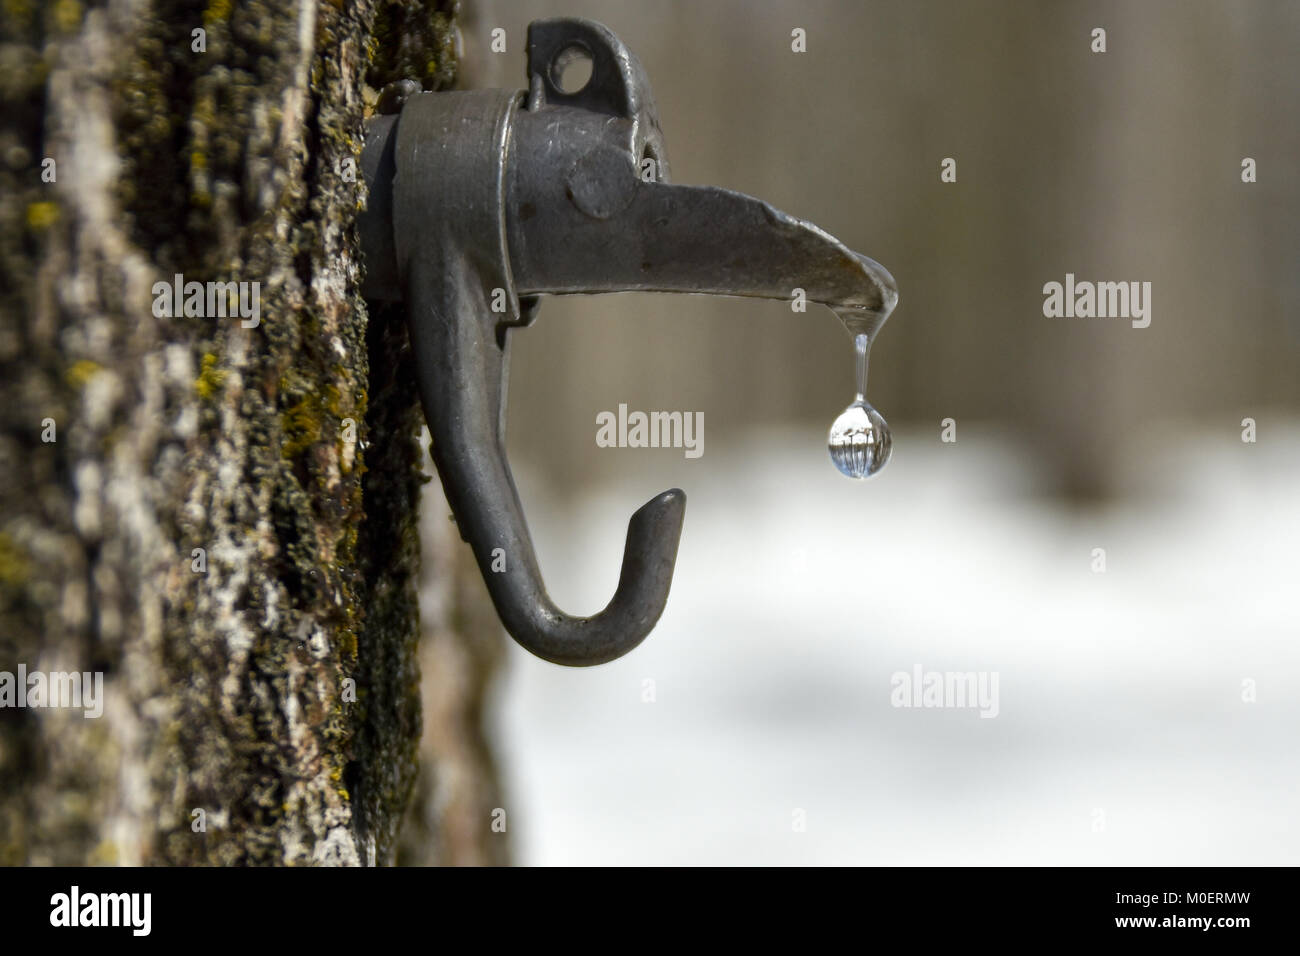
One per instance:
(226, 523)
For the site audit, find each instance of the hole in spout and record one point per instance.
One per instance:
(571, 70)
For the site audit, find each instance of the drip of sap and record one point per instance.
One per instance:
(859, 441)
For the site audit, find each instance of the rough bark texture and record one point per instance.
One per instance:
(287, 452)
(454, 816)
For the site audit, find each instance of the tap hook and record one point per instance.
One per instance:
(480, 202)
(447, 257)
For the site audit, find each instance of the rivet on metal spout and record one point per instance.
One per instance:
(482, 201)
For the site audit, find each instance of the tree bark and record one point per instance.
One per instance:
(220, 517)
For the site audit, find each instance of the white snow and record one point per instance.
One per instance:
(1122, 736)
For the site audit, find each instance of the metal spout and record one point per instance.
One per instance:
(582, 218)
(479, 202)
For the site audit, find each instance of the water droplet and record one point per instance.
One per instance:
(859, 441)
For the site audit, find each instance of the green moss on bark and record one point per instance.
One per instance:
(180, 437)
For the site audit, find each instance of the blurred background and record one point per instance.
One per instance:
(1148, 711)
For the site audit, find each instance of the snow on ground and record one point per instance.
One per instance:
(1122, 736)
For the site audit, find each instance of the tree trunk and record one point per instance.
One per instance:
(219, 514)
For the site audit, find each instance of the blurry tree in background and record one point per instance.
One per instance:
(218, 514)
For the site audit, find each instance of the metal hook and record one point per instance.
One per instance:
(482, 200)
(446, 255)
